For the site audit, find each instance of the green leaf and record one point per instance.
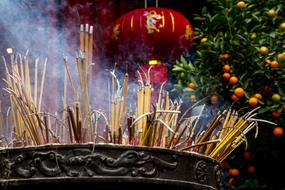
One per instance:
(188, 90)
(183, 60)
(281, 92)
(218, 19)
(256, 18)
(192, 79)
(258, 72)
(199, 18)
(274, 107)
(263, 110)
(191, 67)
(204, 11)
(246, 95)
(199, 54)
(178, 69)
(242, 76)
(241, 37)
(246, 84)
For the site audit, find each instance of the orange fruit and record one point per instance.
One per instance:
(234, 98)
(224, 56)
(281, 56)
(258, 96)
(251, 169)
(239, 92)
(203, 40)
(278, 131)
(272, 13)
(214, 99)
(276, 97)
(233, 80)
(274, 64)
(276, 114)
(241, 5)
(253, 101)
(191, 85)
(226, 68)
(234, 172)
(226, 76)
(282, 26)
(263, 50)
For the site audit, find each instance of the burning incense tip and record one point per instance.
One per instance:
(91, 30)
(86, 27)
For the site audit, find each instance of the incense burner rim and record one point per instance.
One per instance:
(108, 146)
(107, 164)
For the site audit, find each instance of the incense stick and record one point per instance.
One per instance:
(81, 38)
(36, 81)
(42, 86)
(70, 80)
(86, 50)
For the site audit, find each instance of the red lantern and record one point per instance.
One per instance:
(151, 33)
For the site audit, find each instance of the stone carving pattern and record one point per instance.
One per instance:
(82, 162)
(219, 176)
(202, 172)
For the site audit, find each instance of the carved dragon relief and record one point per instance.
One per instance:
(202, 172)
(83, 162)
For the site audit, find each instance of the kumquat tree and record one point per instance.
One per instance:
(240, 59)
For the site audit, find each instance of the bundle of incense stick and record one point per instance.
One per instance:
(78, 119)
(31, 125)
(156, 121)
(162, 125)
(117, 112)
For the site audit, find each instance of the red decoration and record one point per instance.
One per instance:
(151, 33)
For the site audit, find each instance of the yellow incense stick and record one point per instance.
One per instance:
(123, 106)
(36, 82)
(90, 46)
(86, 43)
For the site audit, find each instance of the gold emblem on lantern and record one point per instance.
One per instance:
(153, 21)
(116, 32)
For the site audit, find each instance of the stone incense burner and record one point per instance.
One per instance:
(86, 167)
